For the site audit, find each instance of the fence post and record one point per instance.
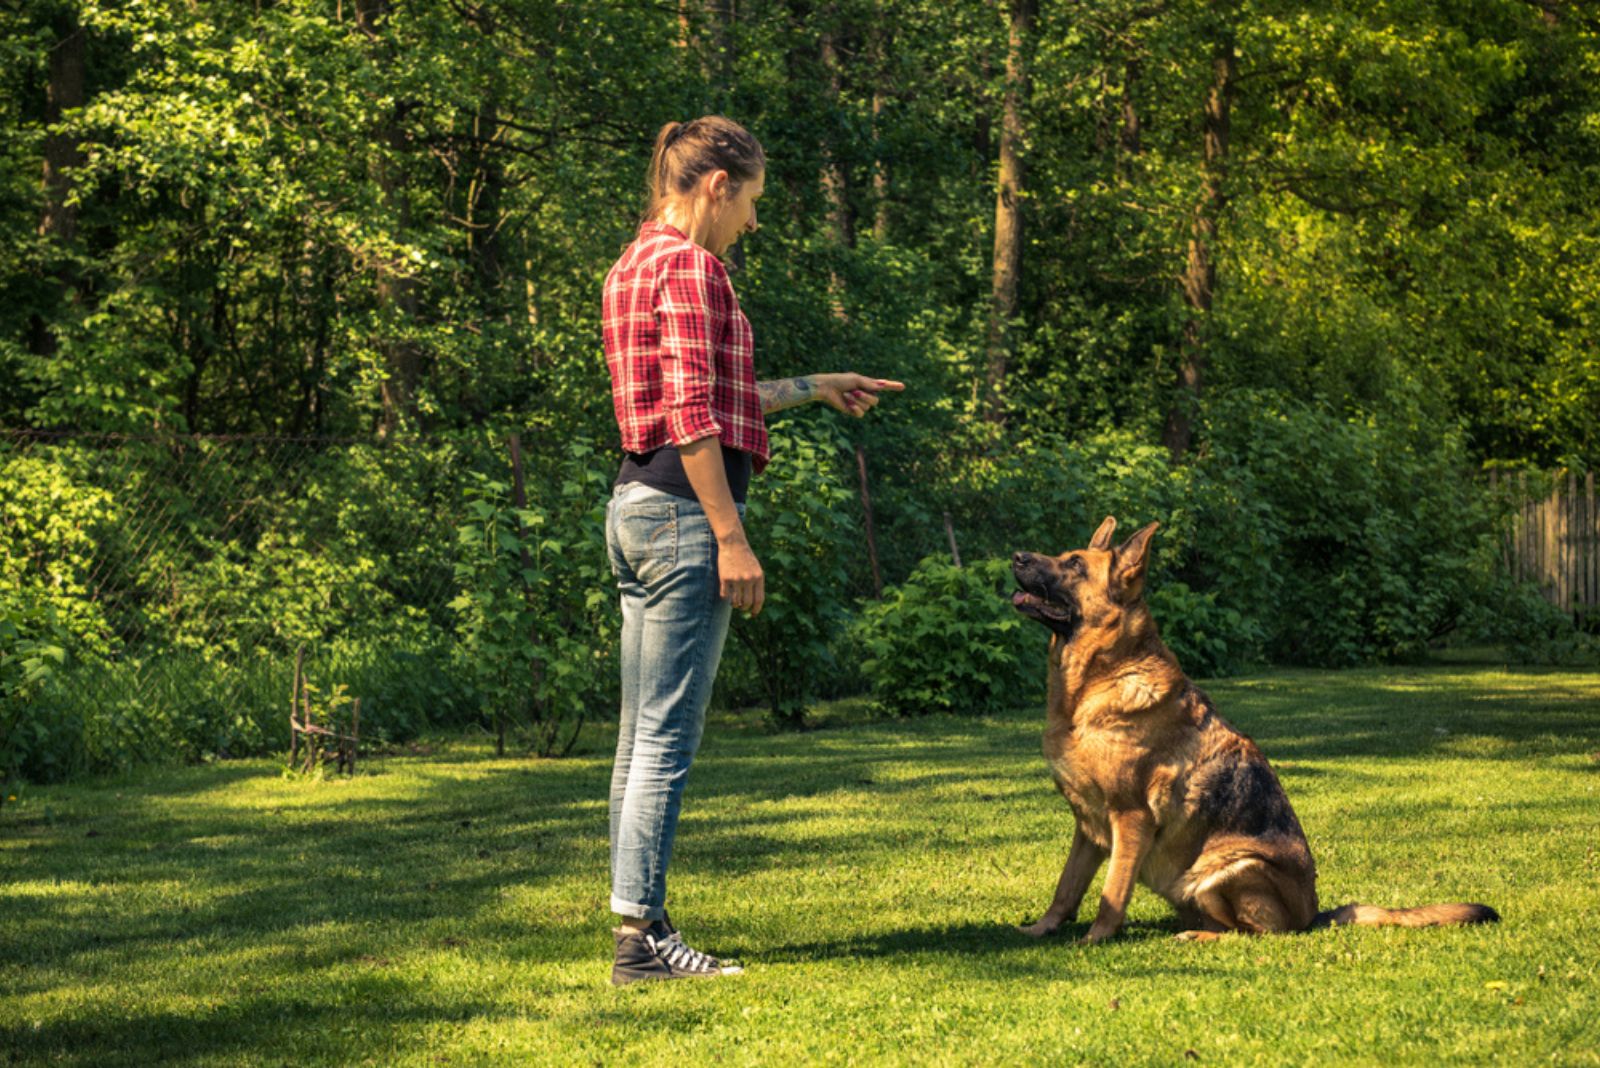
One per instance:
(1591, 537)
(294, 700)
(355, 734)
(519, 497)
(866, 508)
(1573, 570)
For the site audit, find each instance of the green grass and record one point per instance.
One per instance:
(449, 907)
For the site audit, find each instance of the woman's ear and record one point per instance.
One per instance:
(717, 185)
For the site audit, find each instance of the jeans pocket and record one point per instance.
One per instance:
(647, 535)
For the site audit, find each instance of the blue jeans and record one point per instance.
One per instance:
(673, 626)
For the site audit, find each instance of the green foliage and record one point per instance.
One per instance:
(331, 709)
(53, 516)
(351, 545)
(1209, 638)
(31, 652)
(948, 640)
(309, 219)
(538, 629)
(1211, 586)
(1515, 617)
(182, 574)
(1376, 534)
(1298, 536)
(803, 526)
(100, 715)
(428, 197)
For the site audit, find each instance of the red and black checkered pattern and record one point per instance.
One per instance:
(680, 351)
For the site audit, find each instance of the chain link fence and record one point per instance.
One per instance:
(188, 570)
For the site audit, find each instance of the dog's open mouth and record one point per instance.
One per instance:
(1034, 605)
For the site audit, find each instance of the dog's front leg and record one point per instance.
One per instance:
(1132, 834)
(1083, 860)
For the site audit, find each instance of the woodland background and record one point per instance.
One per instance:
(278, 281)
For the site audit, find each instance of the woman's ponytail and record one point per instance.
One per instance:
(687, 150)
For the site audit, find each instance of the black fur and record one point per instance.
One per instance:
(1241, 795)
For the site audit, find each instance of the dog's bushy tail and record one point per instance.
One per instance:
(1422, 916)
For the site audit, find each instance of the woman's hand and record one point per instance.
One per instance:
(851, 393)
(739, 574)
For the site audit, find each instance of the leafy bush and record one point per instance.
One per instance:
(163, 706)
(183, 573)
(538, 623)
(1376, 534)
(1208, 638)
(1515, 616)
(1295, 534)
(31, 651)
(1211, 585)
(948, 640)
(348, 544)
(802, 523)
(53, 515)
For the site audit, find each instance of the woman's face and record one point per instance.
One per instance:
(738, 210)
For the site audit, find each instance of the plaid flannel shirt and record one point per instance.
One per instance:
(680, 352)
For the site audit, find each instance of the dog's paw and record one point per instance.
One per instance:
(1095, 936)
(1039, 928)
(1197, 936)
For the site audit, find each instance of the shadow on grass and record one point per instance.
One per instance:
(994, 947)
(1415, 712)
(296, 1028)
(304, 877)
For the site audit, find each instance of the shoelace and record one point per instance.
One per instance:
(677, 953)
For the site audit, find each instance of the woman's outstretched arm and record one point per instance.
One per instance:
(850, 393)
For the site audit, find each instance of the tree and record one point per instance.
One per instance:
(1008, 208)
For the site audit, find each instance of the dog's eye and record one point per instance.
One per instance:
(1076, 566)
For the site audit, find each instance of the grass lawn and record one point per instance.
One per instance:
(450, 908)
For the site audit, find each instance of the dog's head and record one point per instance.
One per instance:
(1095, 586)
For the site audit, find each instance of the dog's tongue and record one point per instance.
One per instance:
(1019, 598)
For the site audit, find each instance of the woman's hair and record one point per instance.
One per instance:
(686, 151)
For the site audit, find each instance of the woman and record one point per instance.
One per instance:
(691, 415)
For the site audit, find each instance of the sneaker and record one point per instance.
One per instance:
(659, 952)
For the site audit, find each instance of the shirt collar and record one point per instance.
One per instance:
(654, 226)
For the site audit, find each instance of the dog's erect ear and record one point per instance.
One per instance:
(1102, 537)
(1132, 557)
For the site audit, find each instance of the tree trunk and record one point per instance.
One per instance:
(483, 207)
(58, 220)
(720, 57)
(1008, 211)
(882, 44)
(63, 92)
(835, 174)
(801, 79)
(397, 298)
(1200, 274)
(1129, 138)
(720, 51)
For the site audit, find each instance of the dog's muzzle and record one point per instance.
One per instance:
(1039, 596)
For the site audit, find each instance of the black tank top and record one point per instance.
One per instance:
(662, 469)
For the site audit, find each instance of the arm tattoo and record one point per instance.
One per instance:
(780, 393)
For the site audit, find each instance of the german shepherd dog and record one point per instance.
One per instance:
(1158, 781)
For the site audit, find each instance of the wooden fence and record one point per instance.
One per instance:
(1555, 541)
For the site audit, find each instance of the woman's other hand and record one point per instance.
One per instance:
(851, 393)
(739, 574)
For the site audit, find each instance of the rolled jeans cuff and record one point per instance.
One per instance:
(637, 912)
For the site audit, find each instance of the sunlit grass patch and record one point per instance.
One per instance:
(451, 907)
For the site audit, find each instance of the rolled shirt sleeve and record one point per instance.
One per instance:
(693, 306)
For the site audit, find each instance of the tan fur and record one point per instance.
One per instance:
(1160, 784)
